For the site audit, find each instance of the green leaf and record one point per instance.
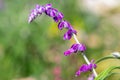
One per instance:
(113, 73)
(106, 73)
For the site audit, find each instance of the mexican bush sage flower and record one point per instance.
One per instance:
(74, 49)
(85, 68)
(64, 24)
(40, 9)
(51, 12)
(47, 6)
(69, 33)
(59, 16)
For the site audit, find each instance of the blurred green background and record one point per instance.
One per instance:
(35, 51)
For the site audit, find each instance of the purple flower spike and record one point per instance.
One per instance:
(68, 34)
(64, 24)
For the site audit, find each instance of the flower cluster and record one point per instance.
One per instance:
(58, 18)
(86, 67)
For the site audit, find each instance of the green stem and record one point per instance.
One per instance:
(104, 58)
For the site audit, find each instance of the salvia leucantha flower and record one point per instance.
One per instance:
(75, 48)
(69, 33)
(64, 24)
(86, 68)
(58, 18)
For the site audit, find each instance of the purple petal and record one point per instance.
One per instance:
(56, 19)
(53, 12)
(60, 16)
(84, 68)
(61, 25)
(68, 34)
(64, 24)
(48, 12)
(47, 6)
(40, 9)
(82, 47)
(35, 12)
(67, 25)
(75, 47)
(78, 73)
(68, 52)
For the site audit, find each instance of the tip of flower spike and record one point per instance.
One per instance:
(29, 21)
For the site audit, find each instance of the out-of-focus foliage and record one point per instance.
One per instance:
(36, 50)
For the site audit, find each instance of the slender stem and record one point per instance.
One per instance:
(84, 56)
(106, 57)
